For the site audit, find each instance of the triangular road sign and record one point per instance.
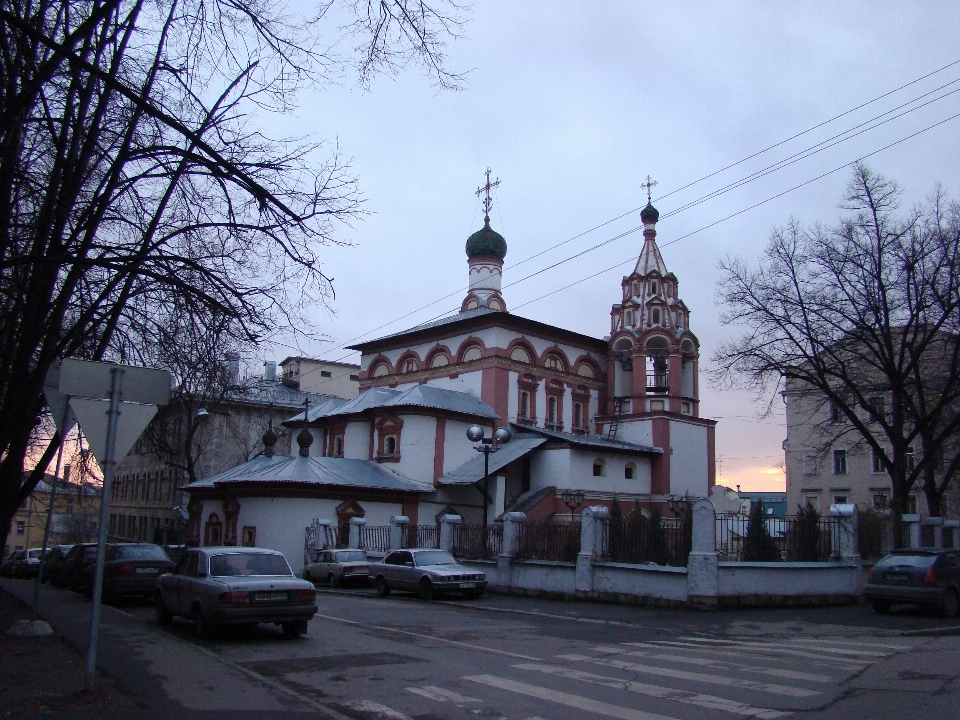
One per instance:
(93, 416)
(57, 401)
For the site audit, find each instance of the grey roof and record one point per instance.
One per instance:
(265, 392)
(321, 409)
(593, 441)
(425, 396)
(472, 470)
(466, 314)
(318, 471)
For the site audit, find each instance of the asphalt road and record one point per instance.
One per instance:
(522, 659)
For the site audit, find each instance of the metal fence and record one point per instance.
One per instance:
(476, 542)
(640, 540)
(549, 541)
(375, 538)
(423, 536)
(792, 538)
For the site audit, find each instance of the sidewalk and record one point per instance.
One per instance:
(158, 675)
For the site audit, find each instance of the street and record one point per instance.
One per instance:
(522, 659)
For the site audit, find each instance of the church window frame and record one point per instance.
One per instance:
(599, 467)
(213, 531)
(653, 287)
(380, 369)
(628, 318)
(389, 429)
(471, 352)
(655, 316)
(527, 399)
(630, 471)
(521, 353)
(553, 361)
(408, 365)
(578, 416)
(338, 442)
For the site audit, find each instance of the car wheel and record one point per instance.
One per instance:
(164, 616)
(201, 625)
(333, 580)
(951, 603)
(881, 607)
(295, 628)
(307, 576)
(427, 591)
(382, 588)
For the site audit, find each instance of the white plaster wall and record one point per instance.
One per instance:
(788, 579)
(513, 399)
(688, 463)
(356, 440)
(416, 447)
(465, 382)
(316, 449)
(613, 480)
(664, 583)
(639, 432)
(457, 449)
(550, 467)
(541, 403)
(543, 575)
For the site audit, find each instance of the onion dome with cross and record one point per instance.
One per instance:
(486, 249)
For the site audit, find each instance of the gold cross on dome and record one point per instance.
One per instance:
(485, 189)
(649, 184)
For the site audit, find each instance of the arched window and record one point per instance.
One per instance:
(214, 530)
(636, 288)
(628, 318)
(494, 304)
(585, 370)
(653, 287)
(655, 314)
(439, 360)
(553, 362)
(598, 468)
(578, 415)
(338, 446)
(409, 365)
(524, 411)
(472, 353)
(380, 369)
(629, 471)
(552, 410)
(390, 445)
(520, 354)
(472, 304)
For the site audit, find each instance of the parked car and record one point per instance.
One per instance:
(71, 573)
(427, 572)
(923, 576)
(338, 567)
(129, 569)
(10, 562)
(219, 586)
(55, 557)
(27, 563)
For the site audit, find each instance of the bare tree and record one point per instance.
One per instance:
(133, 174)
(861, 317)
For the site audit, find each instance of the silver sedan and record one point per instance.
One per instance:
(427, 572)
(217, 586)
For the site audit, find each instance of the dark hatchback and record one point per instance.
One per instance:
(51, 564)
(71, 573)
(924, 576)
(131, 569)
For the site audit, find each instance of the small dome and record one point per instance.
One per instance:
(269, 440)
(486, 242)
(649, 214)
(305, 440)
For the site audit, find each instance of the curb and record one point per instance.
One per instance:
(933, 632)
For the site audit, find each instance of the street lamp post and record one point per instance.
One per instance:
(572, 499)
(502, 436)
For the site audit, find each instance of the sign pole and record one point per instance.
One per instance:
(109, 462)
(53, 496)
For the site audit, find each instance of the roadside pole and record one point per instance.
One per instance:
(116, 380)
(64, 429)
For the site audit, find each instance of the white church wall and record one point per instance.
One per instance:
(688, 463)
(457, 449)
(356, 440)
(513, 399)
(613, 479)
(316, 449)
(639, 432)
(550, 467)
(465, 382)
(416, 447)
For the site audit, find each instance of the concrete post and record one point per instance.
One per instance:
(937, 524)
(913, 528)
(594, 521)
(447, 525)
(951, 534)
(702, 567)
(848, 548)
(511, 545)
(398, 531)
(323, 537)
(356, 525)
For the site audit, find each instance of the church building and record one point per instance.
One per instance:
(595, 418)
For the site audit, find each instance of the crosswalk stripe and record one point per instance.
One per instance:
(712, 679)
(714, 664)
(440, 695)
(849, 643)
(684, 696)
(831, 662)
(562, 698)
(376, 711)
(772, 649)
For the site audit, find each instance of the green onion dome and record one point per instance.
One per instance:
(649, 214)
(486, 242)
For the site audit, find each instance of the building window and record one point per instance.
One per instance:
(879, 501)
(472, 353)
(21, 527)
(836, 413)
(354, 378)
(524, 404)
(628, 318)
(910, 458)
(338, 446)
(578, 415)
(656, 316)
(636, 288)
(811, 464)
(839, 462)
(552, 410)
(839, 499)
(628, 471)
(653, 287)
(912, 505)
(213, 534)
(409, 366)
(875, 404)
(249, 536)
(554, 362)
(519, 354)
(380, 370)
(326, 373)
(812, 501)
(390, 445)
(877, 464)
(598, 468)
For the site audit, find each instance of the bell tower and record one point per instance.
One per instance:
(653, 356)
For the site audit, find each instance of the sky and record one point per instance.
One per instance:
(572, 104)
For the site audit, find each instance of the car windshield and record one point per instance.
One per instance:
(234, 564)
(351, 556)
(140, 552)
(434, 557)
(35, 553)
(916, 561)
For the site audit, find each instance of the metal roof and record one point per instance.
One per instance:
(466, 314)
(319, 471)
(593, 441)
(426, 396)
(472, 470)
(321, 409)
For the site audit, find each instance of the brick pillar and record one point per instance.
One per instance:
(511, 545)
(702, 567)
(675, 368)
(398, 531)
(594, 522)
(356, 525)
(447, 525)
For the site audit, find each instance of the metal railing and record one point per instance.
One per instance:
(376, 538)
(422, 536)
(658, 382)
(549, 541)
(476, 542)
(642, 540)
(792, 538)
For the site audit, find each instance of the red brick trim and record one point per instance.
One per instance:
(439, 439)
(660, 464)
(554, 350)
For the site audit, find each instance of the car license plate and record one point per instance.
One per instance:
(465, 586)
(147, 571)
(896, 577)
(270, 596)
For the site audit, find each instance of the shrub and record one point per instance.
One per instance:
(758, 546)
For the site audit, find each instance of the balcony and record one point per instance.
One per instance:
(658, 383)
